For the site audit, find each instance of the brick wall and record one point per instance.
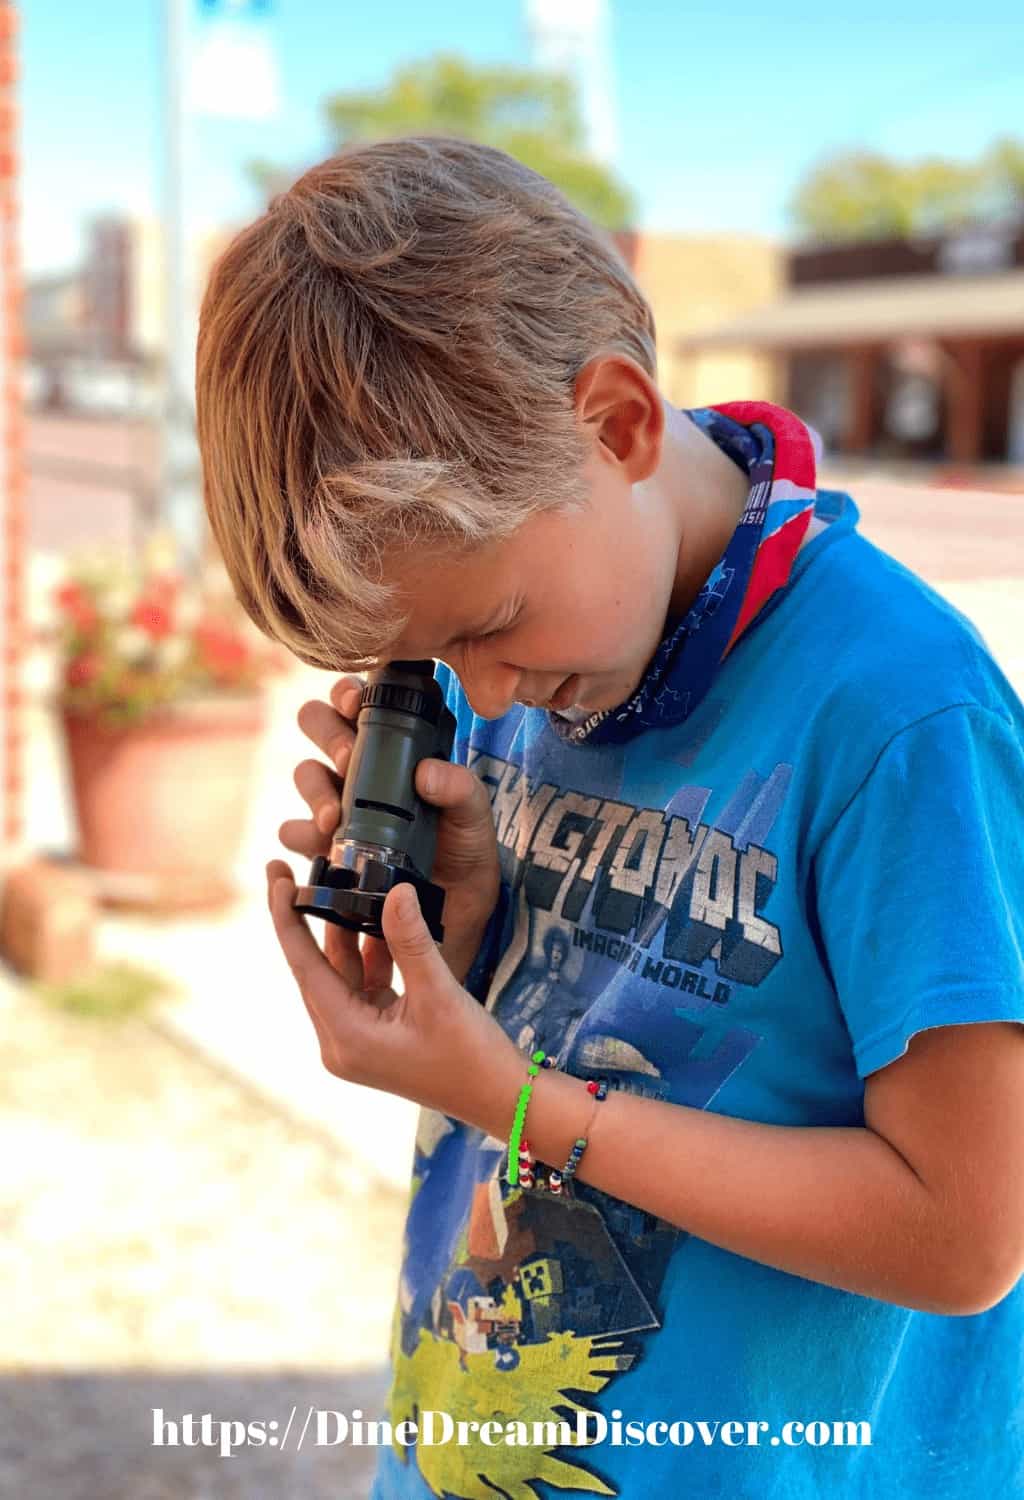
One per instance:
(12, 457)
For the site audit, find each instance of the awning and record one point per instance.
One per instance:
(867, 311)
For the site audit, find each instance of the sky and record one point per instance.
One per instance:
(719, 111)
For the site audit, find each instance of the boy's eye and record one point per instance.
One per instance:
(498, 630)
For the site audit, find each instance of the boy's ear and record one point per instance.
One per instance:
(623, 406)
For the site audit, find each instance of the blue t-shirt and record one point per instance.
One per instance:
(748, 912)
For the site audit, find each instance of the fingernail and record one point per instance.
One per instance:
(430, 780)
(325, 819)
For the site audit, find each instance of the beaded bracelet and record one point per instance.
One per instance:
(520, 1160)
(538, 1060)
(599, 1088)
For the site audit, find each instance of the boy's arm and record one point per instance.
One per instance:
(923, 1206)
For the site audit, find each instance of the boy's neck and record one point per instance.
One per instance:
(709, 495)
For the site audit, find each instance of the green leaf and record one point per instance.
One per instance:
(531, 114)
(109, 992)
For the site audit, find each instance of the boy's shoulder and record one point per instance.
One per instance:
(897, 647)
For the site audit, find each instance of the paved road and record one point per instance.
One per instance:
(941, 534)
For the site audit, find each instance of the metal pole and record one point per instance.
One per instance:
(180, 507)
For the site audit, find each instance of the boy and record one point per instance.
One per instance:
(756, 795)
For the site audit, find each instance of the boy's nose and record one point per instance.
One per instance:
(493, 698)
(488, 706)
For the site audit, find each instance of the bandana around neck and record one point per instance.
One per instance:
(779, 453)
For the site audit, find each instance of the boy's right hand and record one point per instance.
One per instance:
(466, 864)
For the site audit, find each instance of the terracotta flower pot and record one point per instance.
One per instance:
(162, 805)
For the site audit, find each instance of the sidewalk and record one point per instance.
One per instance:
(171, 1241)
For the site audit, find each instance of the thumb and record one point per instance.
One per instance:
(411, 942)
(458, 790)
(468, 841)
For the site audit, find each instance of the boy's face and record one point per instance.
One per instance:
(581, 595)
(586, 595)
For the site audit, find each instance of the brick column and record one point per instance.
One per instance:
(965, 392)
(862, 364)
(12, 460)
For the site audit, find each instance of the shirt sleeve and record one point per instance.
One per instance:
(918, 887)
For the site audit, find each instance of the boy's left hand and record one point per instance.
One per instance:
(435, 1044)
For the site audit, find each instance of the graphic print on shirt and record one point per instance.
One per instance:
(634, 926)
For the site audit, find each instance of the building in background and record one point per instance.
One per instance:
(95, 335)
(105, 322)
(54, 309)
(695, 282)
(897, 349)
(107, 277)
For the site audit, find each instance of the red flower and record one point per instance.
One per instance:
(164, 588)
(152, 617)
(77, 605)
(223, 653)
(81, 670)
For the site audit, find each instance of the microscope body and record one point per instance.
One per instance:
(387, 834)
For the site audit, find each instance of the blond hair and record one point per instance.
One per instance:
(386, 362)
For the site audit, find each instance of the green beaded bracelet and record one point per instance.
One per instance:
(537, 1060)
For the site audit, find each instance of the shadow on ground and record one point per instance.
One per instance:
(89, 1436)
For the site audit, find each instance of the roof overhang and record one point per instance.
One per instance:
(875, 311)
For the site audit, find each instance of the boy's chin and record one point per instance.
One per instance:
(593, 699)
(594, 696)
(617, 690)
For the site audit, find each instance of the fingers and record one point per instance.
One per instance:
(378, 965)
(345, 695)
(341, 947)
(327, 728)
(367, 968)
(320, 787)
(334, 1005)
(321, 791)
(303, 837)
(297, 942)
(331, 726)
(424, 971)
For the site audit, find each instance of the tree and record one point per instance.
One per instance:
(857, 195)
(532, 115)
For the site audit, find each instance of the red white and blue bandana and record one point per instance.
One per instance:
(779, 453)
